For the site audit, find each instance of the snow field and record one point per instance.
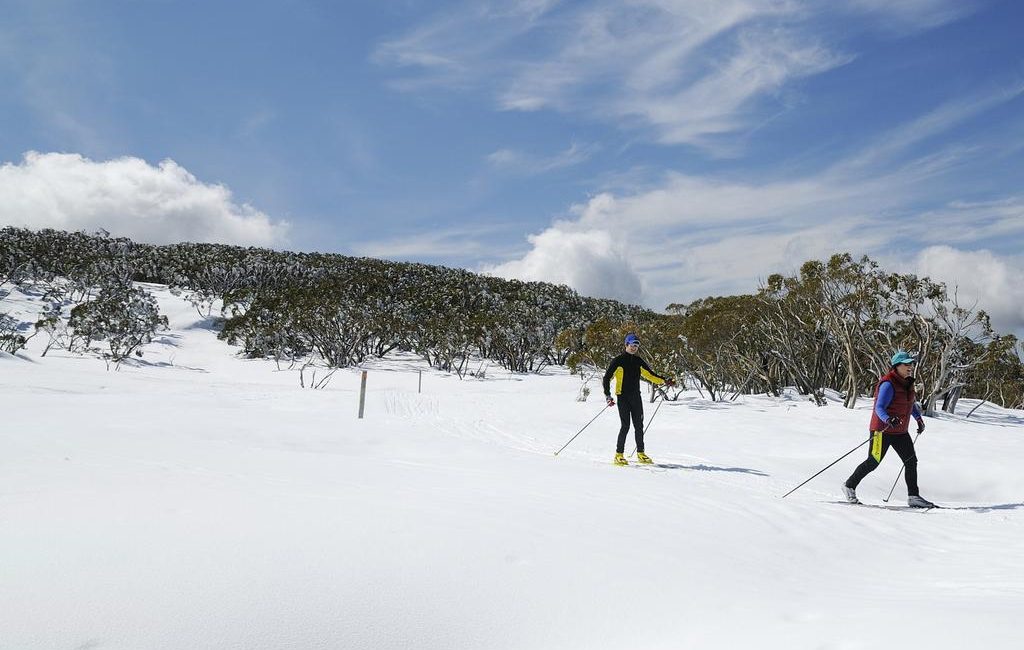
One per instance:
(196, 500)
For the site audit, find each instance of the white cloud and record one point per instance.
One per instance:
(981, 279)
(686, 71)
(695, 237)
(719, 100)
(528, 9)
(890, 145)
(128, 197)
(912, 15)
(692, 235)
(971, 222)
(525, 163)
(594, 262)
(462, 47)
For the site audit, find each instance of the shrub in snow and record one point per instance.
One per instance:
(10, 340)
(52, 321)
(124, 316)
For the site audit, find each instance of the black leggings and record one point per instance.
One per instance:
(630, 407)
(880, 443)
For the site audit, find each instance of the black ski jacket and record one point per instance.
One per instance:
(628, 369)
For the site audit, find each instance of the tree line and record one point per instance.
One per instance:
(831, 326)
(297, 308)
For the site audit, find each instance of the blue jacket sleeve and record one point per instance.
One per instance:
(916, 412)
(885, 393)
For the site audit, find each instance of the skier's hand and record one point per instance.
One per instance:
(670, 382)
(610, 400)
(920, 425)
(895, 421)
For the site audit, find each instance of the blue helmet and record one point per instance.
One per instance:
(903, 357)
(632, 338)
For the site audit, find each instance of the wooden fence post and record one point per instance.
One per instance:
(362, 394)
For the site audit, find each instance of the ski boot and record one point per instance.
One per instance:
(621, 460)
(644, 458)
(851, 494)
(915, 501)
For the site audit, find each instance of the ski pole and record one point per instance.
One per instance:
(902, 467)
(581, 430)
(829, 465)
(647, 427)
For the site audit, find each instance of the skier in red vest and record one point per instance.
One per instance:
(895, 403)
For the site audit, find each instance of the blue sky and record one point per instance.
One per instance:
(653, 151)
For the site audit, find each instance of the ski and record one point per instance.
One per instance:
(651, 467)
(887, 506)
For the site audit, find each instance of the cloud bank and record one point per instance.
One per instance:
(685, 72)
(128, 197)
(693, 235)
(981, 279)
(593, 262)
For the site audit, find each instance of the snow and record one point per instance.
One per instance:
(193, 499)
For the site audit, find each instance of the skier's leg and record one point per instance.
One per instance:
(637, 411)
(904, 446)
(623, 404)
(876, 452)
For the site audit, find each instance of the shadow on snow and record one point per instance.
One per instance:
(710, 468)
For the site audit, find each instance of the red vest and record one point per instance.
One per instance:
(902, 404)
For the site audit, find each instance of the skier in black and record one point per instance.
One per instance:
(628, 369)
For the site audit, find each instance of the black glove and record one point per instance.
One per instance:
(895, 421)
(920, 425)
(610, 400)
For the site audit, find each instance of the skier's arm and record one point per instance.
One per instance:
(650, 375)
(920, 420)
(885, 395)
(607, 379)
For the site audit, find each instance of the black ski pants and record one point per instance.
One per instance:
(631, 406)
(879, 444)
